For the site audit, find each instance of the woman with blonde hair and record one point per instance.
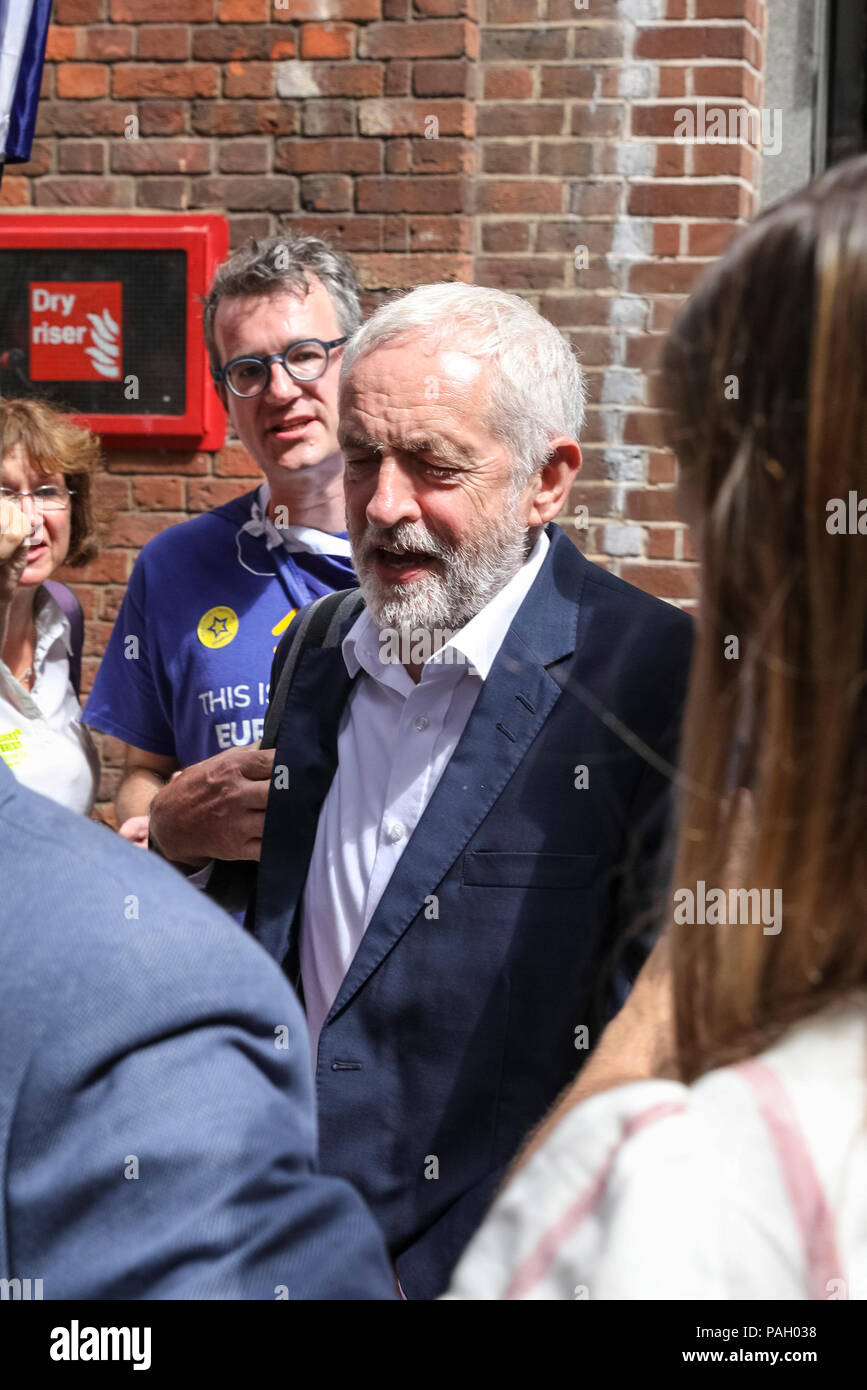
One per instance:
(46, 520)
(716, 1144)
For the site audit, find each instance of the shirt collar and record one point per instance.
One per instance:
(477, 642)
(292, 537)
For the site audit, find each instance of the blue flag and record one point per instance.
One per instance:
(23, 32)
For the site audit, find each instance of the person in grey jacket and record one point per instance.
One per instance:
(157, 1124)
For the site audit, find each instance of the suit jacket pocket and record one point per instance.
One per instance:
(507, 869)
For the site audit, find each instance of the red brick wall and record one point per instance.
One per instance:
(553, 130)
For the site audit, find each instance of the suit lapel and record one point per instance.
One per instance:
(307, 749)
(514, 703)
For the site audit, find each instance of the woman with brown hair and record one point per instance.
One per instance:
(728, 1160)
(46, 520)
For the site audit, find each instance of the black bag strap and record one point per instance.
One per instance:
(71, 609)
(319, 626)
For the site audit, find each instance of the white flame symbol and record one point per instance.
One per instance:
(104, 332)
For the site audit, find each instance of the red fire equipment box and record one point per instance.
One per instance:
(101, 314)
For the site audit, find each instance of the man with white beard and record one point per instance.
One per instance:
(457, 843)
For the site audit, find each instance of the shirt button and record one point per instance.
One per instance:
(422, 722)
(396, 833)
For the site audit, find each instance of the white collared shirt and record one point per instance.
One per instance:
(395, 740)
(42, 737)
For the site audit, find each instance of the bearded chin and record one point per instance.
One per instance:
(472, 577)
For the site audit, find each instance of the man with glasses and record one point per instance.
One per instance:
(184, 680)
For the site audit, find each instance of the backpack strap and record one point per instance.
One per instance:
(72, 611)
(319, 626)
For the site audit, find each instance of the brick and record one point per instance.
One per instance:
(709, 238)
(15, 192)
(568, 82)
(167, 43)
(110, 566)
(645, 428)
(513, 12)
(596, 348)
(397, 81)
(593, 41)
(688, 200)
(434, 38)
(440, 234)
(162, 11)
(397, 159)
(601, 199)
(518, 274)
(206, 493)
(409, 195)
(574, 157)
(527, 47)
(244, 118)
(666, 581)
(162, 117)
(81, 157)
(245, 192)
(505, 237)
(150, 80)
(239, 42)
(395, 9)
(602, 118)
(729, 81)
(233, 461)
(661, 541)
(661, 467)
(452, 156)
(243, 11)
(664, 277)
(729, 9)
(448, 77)
(78, 11)
(242, 228)
(396, 272)
(61, 44)
(672, 81)
(319, 10)
(327, 40)
(695, 41)
(158, 494)
(563, 237)
(161, 157)
(738, 160)
(137, 528)
(331, 157)
(243, 79)
(160, 460)
(81, 81)
(328, 118)
(107, 44)
(521, 119)
(244, 156)
(598, 498)
(348, 79)
(169, 194)
(510, 84)
(506, 159)
(435, 9)
(326, 193)
(523, 196)
(84, 192)
(396, 117)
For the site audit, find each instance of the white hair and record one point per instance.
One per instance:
(536, 386)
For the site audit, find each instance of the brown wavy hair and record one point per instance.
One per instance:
(52, 443)
(765, 376)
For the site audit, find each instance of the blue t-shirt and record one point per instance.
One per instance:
(186, 669)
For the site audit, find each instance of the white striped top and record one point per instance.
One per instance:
(749, 1184)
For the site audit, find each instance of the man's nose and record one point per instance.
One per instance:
(394, 496)
(281, 386)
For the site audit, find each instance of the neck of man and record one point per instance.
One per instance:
(312, 497)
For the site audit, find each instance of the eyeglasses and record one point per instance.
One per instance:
(46, 499)
(304, 361)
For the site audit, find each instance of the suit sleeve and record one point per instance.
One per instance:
(232, 882)
(164, 1146)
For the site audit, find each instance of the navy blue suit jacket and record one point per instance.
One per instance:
(453, 1033)
(157, 1138)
